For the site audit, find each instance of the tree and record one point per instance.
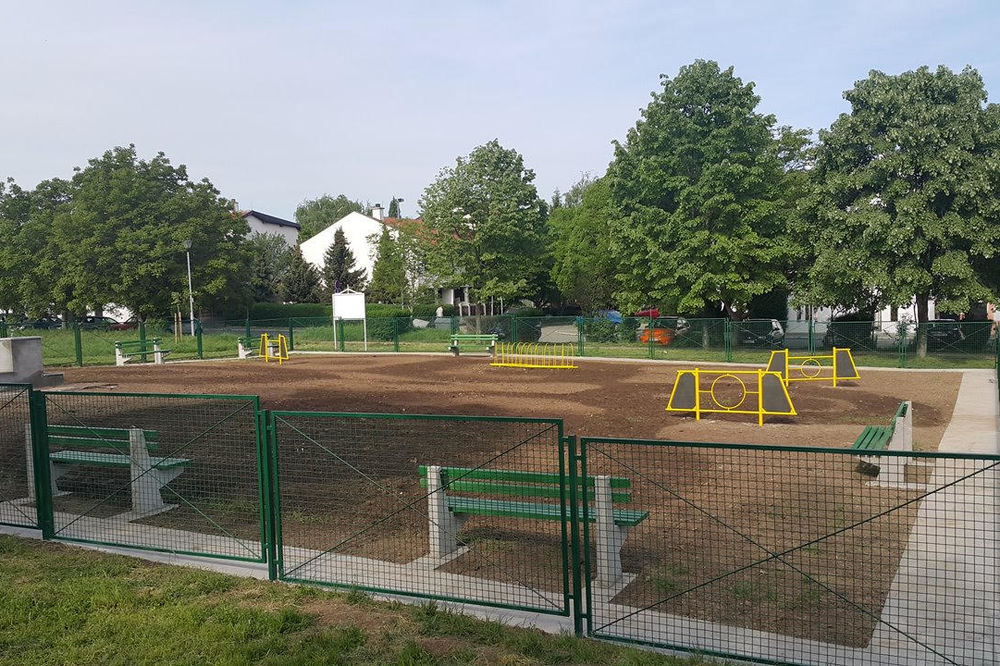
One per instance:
(907, 199)
(270, 260)
(301, 283)
(389, 281)
(697, 189)
(338, 271)
(485, 225)
(315, 215)
(581, 236)
(394, 208)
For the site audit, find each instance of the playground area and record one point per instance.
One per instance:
(614, 399)
(799, 553)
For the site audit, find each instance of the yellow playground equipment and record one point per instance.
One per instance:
(273, 349)
(533, 355)
(838, 366)
(759, 392)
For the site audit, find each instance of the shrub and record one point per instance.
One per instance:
(384, 328)
(429, 311)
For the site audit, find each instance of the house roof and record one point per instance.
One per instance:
(270, 219)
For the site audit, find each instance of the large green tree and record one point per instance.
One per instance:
(584, 267)
(389, 282)
(315, 215)
(121, 240)
(485, 225)
(270, 260)
(339, 270)
(301, 282)
(907, 202)
(697, 186)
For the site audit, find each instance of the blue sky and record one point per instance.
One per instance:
(276, 102)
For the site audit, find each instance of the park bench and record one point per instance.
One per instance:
(897, 436)
(459, 340)
(247, 347)
(148, 474)
(448, 512)
(125, 351)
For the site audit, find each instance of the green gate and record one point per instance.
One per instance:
(467, 509)
(17, 507)
(172, 473)
(793, 555)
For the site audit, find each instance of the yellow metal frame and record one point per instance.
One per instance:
(553, 356)
(716, 407)
(811, 367)
(273, 349)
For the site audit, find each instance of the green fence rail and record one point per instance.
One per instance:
(792, 555)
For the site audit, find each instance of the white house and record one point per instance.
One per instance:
(261, 223)
(357, 229)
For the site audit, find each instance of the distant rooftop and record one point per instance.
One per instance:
(270, 219)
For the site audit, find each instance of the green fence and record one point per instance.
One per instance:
(16, 457)
(459, 508)
(175, 473)
(794, 555)
(791, 555)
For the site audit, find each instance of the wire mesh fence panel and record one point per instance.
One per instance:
(459, 508)
(946, 343)
(432, 334)
(16, 468)
(683, 339)
(798, 556)
(159, 472)
(58, 344)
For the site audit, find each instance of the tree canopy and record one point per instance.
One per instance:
(907, 198)
(485, 225)
(315, 215)
(697, 185)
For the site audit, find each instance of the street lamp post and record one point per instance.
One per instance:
(187, 251)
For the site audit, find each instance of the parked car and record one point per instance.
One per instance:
(46, 322)
(850, 331)
(96, 322)
(767, 333)
(944, 333)
(663, 331)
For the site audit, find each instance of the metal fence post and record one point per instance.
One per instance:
(291, 335)
(395, 334)
(812, 335)
(513, 328)
(246, 333)
(580, 335)
(197, 337)
(727, 334)
(78, 343)
(40, 460)
(574, 530)
(901, 349)
(4, 332)
(142, 338)
(340, 334)
(649, 337)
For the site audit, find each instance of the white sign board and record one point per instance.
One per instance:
(349, 304)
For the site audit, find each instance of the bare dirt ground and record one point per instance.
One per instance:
(597, 399)
(712, 512)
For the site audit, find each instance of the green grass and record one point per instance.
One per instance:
(66, 605)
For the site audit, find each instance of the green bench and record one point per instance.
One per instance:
(125, 351)
(459, 340)
(897, 436)
(148, 474)
(448, 512)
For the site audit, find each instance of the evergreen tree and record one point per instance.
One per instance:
(339, 272)
(389, 283)
(394, 208)
(301, 282)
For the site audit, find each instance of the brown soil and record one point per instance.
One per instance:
(597, 399)
(712, 512)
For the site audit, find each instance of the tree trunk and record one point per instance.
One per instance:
(922, 300)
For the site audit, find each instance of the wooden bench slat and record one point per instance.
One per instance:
(468, 473)
(111, 460)
(94, 442)
(488, 488)
(533, 510)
